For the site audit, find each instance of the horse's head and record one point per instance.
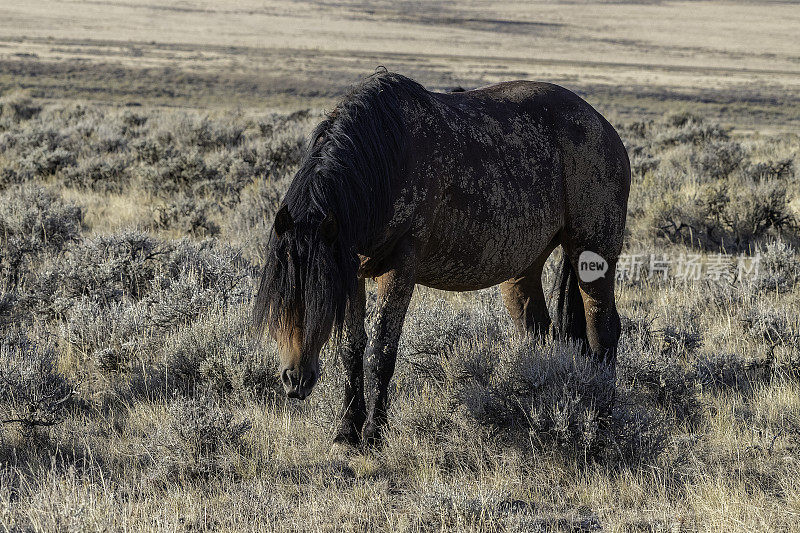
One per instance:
(303, 294)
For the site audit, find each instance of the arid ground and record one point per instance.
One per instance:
(144, 147)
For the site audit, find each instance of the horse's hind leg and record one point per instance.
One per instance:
(597, 183)
(602, 320)
(524, 298)
(599, 307)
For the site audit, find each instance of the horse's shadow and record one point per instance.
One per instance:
(333, 472)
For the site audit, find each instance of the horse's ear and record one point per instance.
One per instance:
(283, 221)
(329, 229)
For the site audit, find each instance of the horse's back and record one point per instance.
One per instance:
(516, 91)
(551, 105)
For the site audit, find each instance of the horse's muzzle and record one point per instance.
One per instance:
(298, 383)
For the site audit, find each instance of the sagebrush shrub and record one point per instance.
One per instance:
(198, 438)
(32, 392)
(131, 119)
(131, 264)
(220, 354)
(120, 295)
(770, 325)
(718, 159)
(669, 382)
(476, 375)
(104, 174)
(779, 267)
(287, 152)
(641, 165)
(250, 222)
(689, 132)
(563, 398)
(679, 119)
(761, 209)
(188, 215)
(42, 162)
(439, 323)
(200, 132)
(150, 151)
(182, 172)
(722, 215)
(18, 106)
(105, 268)
(176, 301)
(111, 333)
(655, 361)
(108, 138)
(33, 220)
(782, 169)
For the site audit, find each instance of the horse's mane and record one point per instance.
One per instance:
(351, 161)
(353, 155)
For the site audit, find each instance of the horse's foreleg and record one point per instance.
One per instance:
(354, 342)
(394, 293)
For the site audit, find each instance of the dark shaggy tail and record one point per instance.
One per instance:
(569, 321)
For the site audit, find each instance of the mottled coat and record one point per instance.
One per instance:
(457, 191)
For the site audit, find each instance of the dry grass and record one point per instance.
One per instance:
(130, 240)
(177, 420)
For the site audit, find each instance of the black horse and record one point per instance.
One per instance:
(457, 191)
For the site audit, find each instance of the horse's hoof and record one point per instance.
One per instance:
(370, 436)
(347, 436)
(343, 449)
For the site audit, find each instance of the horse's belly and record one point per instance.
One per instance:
(499, 206)
(477, 253)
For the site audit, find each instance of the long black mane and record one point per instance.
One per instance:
(347, 173)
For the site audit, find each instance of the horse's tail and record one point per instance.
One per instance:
(569, 321)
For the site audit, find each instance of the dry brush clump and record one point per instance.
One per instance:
(482, 382)
(104, 173)
(198, 438)
(779, 269)
(698, 185)
(148, 295)
(188, 216)
(16, 107)
(33, 221)
(218, 354)
(32, 392)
